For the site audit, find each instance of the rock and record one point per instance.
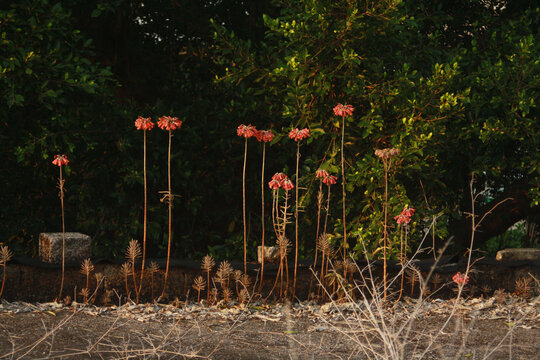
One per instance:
(518, 254)
(77, 247)
(271, 254)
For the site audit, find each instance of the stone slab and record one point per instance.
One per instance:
(529, 254)
(78, 247)
(271, 254)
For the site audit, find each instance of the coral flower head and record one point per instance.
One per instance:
(287, 184)
(246, 131)
(298, 135)
(264, 135)
(405, 216)
(144, 123)
(60, 160)
(460, 278)
(321, 173)
(280, 177)
(329, 180)
(169, 123)
(274, 184)
(343, 110)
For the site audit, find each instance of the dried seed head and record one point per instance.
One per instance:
(227, 294)
(436, 279)
(153, 267)
(208, 263)
(99, 276)
(85, 292)
(225, 269)
(243, 296)
(133, 251)
(245, 280)
(349, 266)
(237, 274)
(500, 296)
(199, 283)
(126, 269)
(87, 267)
(323, 244)
(283, 244)
(214, 295)
(523, 287)
(5, 255)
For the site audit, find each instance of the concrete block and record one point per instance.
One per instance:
(77, 247)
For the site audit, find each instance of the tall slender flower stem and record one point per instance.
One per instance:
(343, 188)
(296, 220)
(327, 211)
(170, 200)
(61, 184)
(343, 111)
(319, 206)
(386, 156)
(283, 232)
(385, 230)
(244, 205)
(297, 135)
(145, 218)
(143, 124)
(262, 218)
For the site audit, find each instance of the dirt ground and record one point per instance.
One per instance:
(251, 333)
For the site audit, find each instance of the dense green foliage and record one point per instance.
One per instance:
(452, 84)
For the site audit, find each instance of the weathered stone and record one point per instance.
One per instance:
(271, 254)
(77, 247)
(518, 254)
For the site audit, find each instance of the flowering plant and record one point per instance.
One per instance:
(144, 123)
(329, 180)
(343, 110)
(263, 135)
(321, 174)
(299, 135)
(60, 160)
(460, 279)
(246, 131)
(169, 123)
(405, 216)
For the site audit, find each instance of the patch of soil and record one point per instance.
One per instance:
(74, 334)
(32, 280)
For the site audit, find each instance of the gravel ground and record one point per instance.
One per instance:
(474, 329)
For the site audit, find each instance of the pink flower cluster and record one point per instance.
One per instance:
(326, 178)
(343, 110)
(460, 278)
(329, 180)
(405, 216)
(169, 123)
(298, 135)
(264, 135)
(60, 160)
(280, 180)
(246, 131)
(144, 123)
